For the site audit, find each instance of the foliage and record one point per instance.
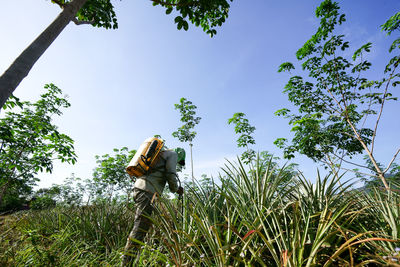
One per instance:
(208, 14)
(110, 175)
(188, 117)
(30, 142)
(110, 182)
(243, 127)
(256, 219)
(335, 103)
(44, 202)
(265, 217)
(100, 13)
(69, 193)
(392, 24)
(185, 133)
(67, 236)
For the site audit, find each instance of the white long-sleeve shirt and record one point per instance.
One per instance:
(164, 171)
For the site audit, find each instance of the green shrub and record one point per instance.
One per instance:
(44, 202)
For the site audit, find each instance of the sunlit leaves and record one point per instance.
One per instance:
(392, 24)
(30, 142)
(335, 95)
(109, 176)
(207, 14)
(187, 110)
(99, 13)
(358, 53)
(245, 131)
(287, 66)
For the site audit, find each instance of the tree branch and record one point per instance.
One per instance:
(369, 108)
(331, 164)
(333, 97)
(380, 112)
(339, 84)
(370, 155)
(362, 173)
(82, 22)
(391, 162)
(349, 162)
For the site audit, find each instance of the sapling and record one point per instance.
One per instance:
(185, 133)
(336, 101)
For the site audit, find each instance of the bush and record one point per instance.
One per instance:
(44, 202)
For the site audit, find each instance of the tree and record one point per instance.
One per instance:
(100, 13)
(109, 178)
(243, 127)
(30, 142)
(110, 175)
(188, 117)
(335, 102)
(45, 198)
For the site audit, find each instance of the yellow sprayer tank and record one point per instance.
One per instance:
(146, 157)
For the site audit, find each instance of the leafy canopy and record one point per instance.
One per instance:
(336, 99)
(110, 175)
(245, 130)
(189, 119)
(207, 14)
(30, 142)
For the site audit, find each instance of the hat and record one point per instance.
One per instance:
(181, 155)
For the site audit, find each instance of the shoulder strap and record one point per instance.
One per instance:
(161, 168)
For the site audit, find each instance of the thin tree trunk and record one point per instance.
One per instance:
(191, 161)
(378, 170)
(3, 191)
(20, 68)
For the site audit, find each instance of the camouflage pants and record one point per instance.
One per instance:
(141, 225)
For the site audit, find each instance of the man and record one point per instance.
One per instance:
(148, 187)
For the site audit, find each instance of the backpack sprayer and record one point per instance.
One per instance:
(146, 157)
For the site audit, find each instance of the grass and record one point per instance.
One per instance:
(263, 217)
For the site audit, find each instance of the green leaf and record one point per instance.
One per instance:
(168, 10)
(287, 66)
(178, 19)
(392, 24)
(185, 25)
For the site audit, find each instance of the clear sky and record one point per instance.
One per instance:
(123, 83)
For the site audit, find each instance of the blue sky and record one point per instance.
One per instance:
(123, 83)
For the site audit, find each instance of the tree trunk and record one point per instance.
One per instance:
(191, 161)
(378, 170)
(3, 191)
(20, 68)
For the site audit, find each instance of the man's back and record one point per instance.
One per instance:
(163, 171)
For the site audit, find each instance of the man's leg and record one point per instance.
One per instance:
(141, 225)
